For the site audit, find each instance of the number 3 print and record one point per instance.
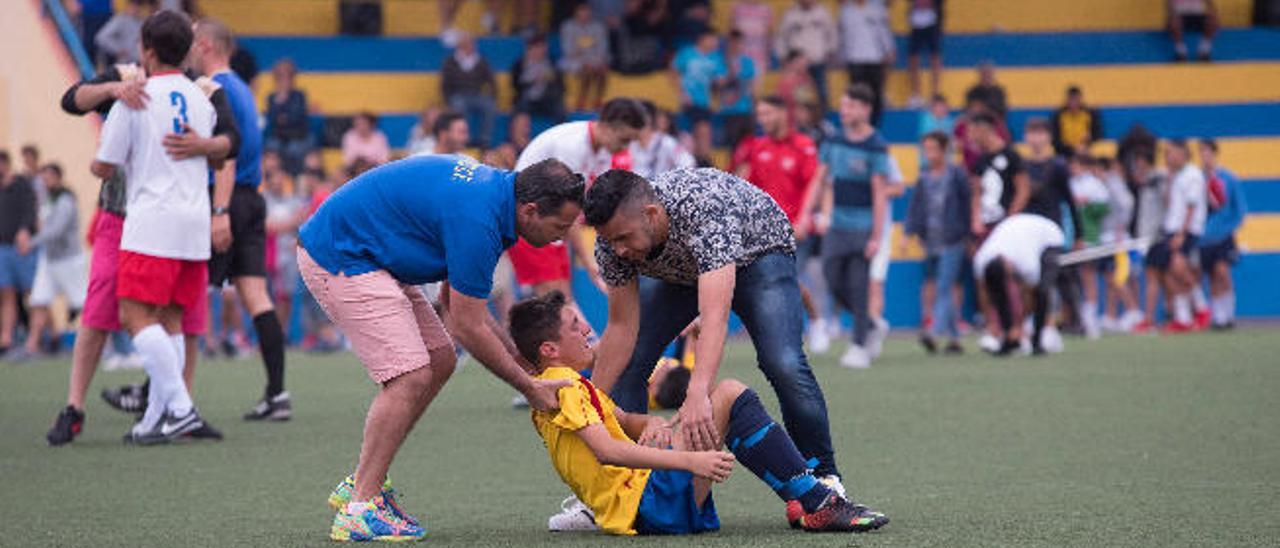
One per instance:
(178, 100)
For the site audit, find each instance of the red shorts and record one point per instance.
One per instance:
(161, 281)
(537, 265)
(102, 305)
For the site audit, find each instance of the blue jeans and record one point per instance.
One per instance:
(767, 300)
(479, 111)
(947, 263)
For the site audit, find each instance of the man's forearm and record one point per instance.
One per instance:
(480, 340)
(224, 181)
(89, 96)
(218, 147)
(708, 353)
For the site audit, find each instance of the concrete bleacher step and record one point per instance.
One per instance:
(1027, 87)
(421, 17)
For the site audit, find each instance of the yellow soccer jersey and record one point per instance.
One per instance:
(612, 492)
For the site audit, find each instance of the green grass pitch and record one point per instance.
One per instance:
(1169, 441)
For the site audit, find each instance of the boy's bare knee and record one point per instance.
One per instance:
(727, 391)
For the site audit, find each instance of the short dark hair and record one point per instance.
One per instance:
(54, 167)
(535, 321)
(673, 388)
(774, 100)
(793, 54)
(1178, 142)
(168, 33)
(1210, 142)
(30, 149)
(368, 115)
(4, 156)
(1074, 90)
(735, 34)
(1083, 158)
(317, 173)
(984, 119)
(1038, 124)
(549, 184)
(939, 137)
(624, 111)
(446, 120)
(611, 190)
(650, 110)
(861, 93)
(1105, 162)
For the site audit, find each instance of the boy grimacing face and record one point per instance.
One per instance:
(571, 349)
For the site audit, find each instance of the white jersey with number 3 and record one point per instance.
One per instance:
(570, 143)
(168, 199)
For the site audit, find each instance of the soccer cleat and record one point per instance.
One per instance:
(204, 432)
(345, 491)
(1144, 326)
(1176, 327)
(795, 514)
(165, 430)
(855, 357)
(275, 408)
(988, 343)
(66, 427)
(838, 514)
(372, 521)
(573, 516)
(833, 483)
(130, 398)
(930, 345)
(954, 349)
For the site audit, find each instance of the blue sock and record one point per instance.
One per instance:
(765, 448)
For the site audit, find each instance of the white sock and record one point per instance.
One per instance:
(1198, 299)
(1229, 306)
(1180, 48)
(1206, 46)
(1182, 309)
(161, 361)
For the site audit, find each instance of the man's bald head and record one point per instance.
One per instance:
(216, 36)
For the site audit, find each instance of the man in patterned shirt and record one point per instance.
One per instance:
(707, 242)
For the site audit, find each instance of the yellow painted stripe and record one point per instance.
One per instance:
(1260, 233)
(421, 17)
(348, 92)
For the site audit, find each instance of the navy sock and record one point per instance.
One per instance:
(765, 448)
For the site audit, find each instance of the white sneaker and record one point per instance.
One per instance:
(833, 483)
(520, 402)
(875, 339)
(989, 343)
(1110, 324)
(1051, 340)
(573, 516)
(855, 357)
(818, 338)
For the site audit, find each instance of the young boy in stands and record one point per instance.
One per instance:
(656, 488)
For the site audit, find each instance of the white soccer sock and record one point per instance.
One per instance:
(1198, 300)
(152, 343)
(1180, 48)
(1182, 309)
(1206, 46)
(180, 348)
(1229, 305)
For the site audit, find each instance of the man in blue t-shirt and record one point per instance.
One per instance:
(240, 216)
(363, 254)
(855, 167)
(699, 69)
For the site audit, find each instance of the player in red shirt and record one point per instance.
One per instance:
(784, 163)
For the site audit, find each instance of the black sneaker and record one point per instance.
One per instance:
(66, 427)
(205, 432)
(276, 408)
(930, 345)
(1007, 348)
(838, 514)
(954, 348)
(130, 398)
(167, 429)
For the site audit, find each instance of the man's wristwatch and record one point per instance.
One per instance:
(219, 210)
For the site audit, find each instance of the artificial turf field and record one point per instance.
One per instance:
(1157, 441)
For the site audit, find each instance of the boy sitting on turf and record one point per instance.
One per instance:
(633, 488)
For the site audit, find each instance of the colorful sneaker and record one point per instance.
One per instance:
(795, 514)
(372, 521)
(838, 514)
(343, 493)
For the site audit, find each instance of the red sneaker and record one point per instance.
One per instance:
(1178, 328)
(1201, 321)
(1144, 326)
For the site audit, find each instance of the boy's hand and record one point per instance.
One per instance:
(713, 465)
(542, 394)
(656, 434)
